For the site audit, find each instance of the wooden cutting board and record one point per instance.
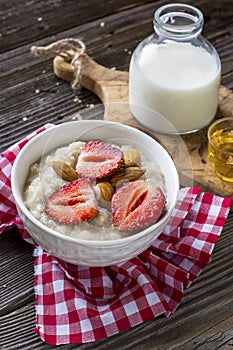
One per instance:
(189, 152)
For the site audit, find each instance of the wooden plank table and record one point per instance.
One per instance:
(31, 95)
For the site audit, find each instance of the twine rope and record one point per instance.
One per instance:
(62, 48)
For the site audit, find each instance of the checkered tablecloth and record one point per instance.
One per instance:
(77, 304)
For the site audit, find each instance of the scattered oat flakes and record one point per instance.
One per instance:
(102, 24)
(39, 19)
(113, 68)
(92, 105)
(4, 286)
(24, 119)
(76, 117)
(128, 51)
(37, 91)
(77, 99)
(57, 83)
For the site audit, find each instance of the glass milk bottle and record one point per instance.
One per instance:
(174, 74)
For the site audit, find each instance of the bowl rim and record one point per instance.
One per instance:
(95, 243)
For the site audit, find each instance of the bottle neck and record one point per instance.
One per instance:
(178, 22)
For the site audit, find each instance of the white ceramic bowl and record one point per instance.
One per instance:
(86, 252)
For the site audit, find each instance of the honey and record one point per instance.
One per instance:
(220, 153)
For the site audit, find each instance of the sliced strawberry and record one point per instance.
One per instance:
(137, 205)
(98, 160)
(73, 203)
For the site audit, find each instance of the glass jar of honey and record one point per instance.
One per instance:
(174, 74)
(220, 148)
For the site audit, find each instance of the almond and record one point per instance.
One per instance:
(74, 158)
(131, 157)
(64, 170)
(126, 174)
(106, 190)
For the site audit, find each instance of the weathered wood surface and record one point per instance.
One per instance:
(31, 95)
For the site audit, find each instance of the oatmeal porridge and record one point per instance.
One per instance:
(78, 191)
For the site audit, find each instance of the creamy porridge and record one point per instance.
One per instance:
(43, 181)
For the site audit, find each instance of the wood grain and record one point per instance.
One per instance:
(31, 95)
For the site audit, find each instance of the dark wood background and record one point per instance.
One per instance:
(30, 96)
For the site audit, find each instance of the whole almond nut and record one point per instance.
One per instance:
(74, 158)
(64, 170)
(126, 174)
(131, 157)
(106, 190)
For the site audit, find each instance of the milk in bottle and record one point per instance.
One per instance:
(174, 78)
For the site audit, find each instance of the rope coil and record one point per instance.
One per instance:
(62, 48)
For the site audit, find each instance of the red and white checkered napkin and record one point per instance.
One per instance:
(77, 304)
